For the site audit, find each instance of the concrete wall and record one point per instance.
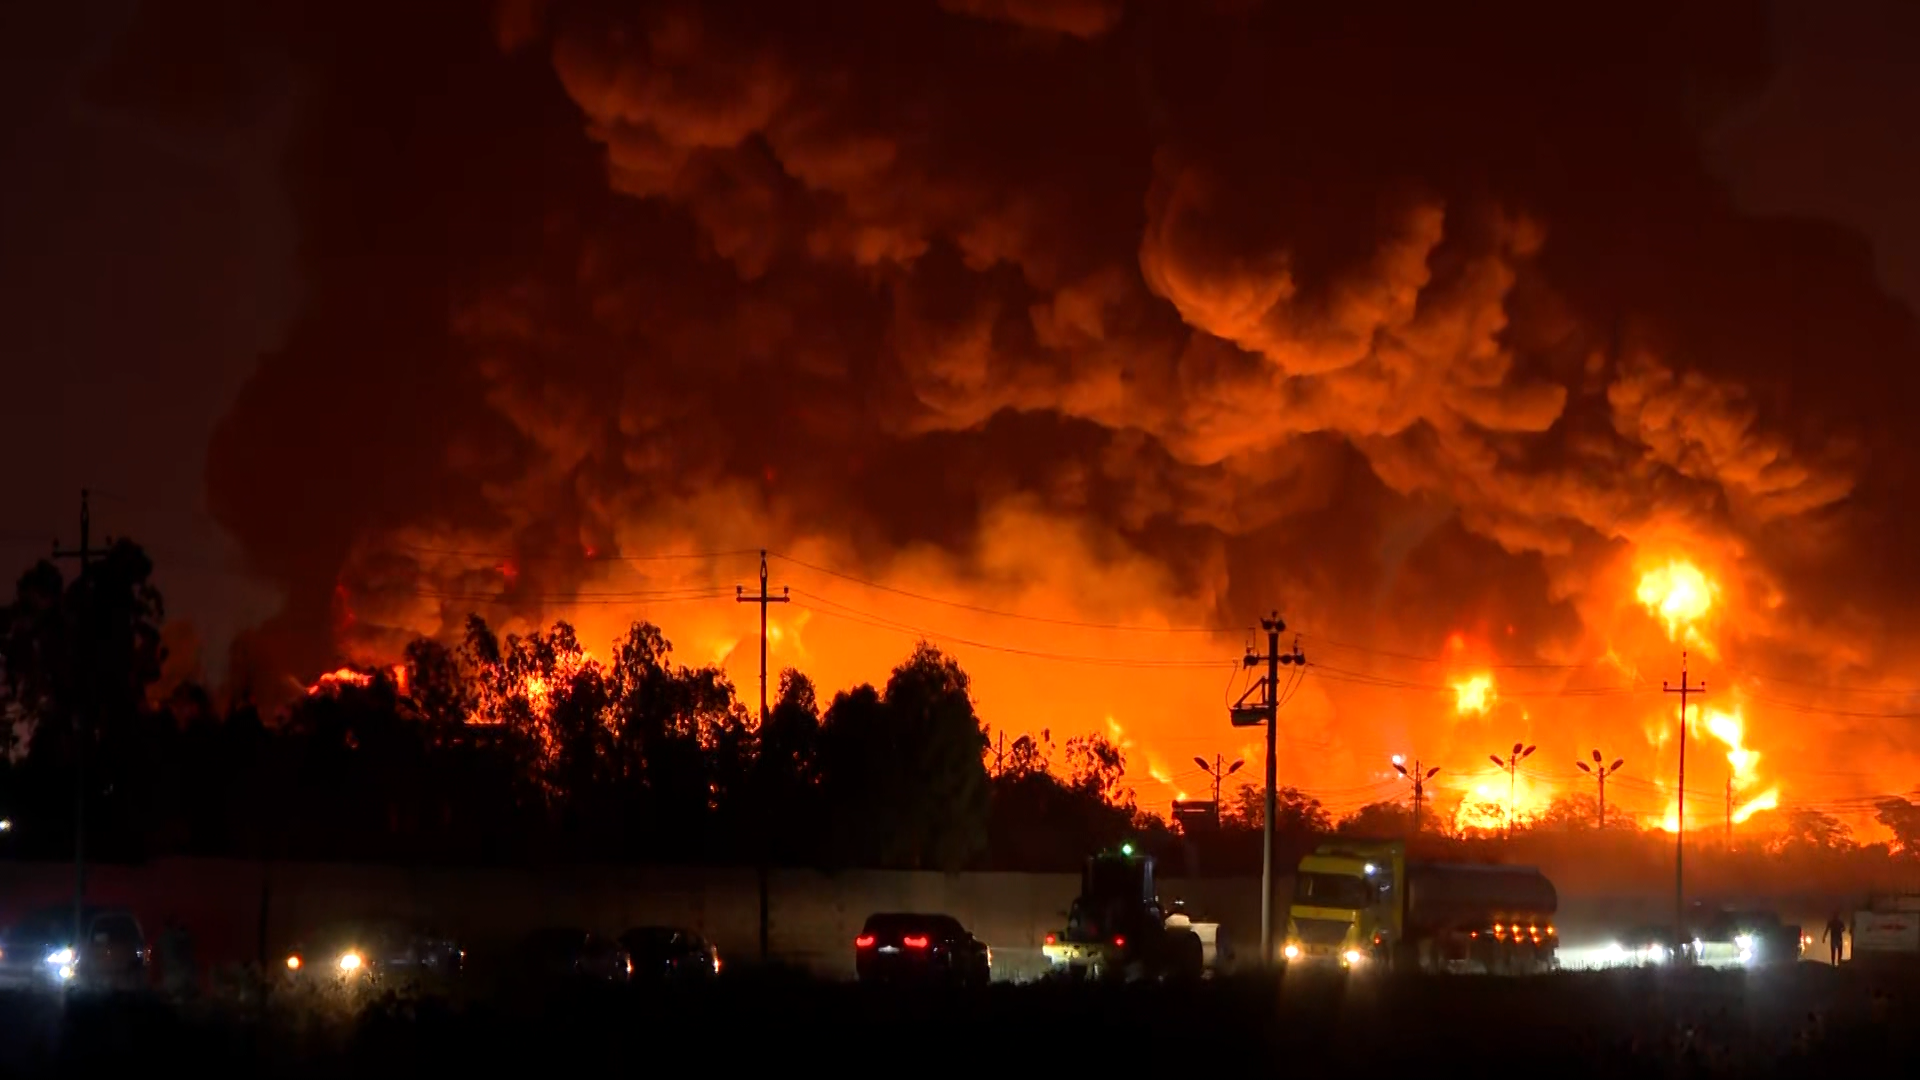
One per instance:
(813, 916)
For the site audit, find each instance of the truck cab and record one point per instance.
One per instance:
(1344, 909)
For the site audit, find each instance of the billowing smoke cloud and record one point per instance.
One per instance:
(1413, 318)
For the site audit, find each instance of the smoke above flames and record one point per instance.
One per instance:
(1421, 323)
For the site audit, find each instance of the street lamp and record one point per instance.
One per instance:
(1521, 752)
(1419, 777)
(1601, 772)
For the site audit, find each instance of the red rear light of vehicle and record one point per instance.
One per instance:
(914, 942)
(1050, 939)
(864, 941)
(1119, 941)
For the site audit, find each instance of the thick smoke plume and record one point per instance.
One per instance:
(1421, 322)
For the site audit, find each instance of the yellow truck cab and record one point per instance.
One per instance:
(1363, 903)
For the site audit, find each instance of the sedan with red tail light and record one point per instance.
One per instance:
(920, 948)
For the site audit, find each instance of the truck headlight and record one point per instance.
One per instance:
(1351, 956)
(60, 957)
(1291, 952)
(350, 961)
(1615, 951)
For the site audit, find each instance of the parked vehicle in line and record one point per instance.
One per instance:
(42, 951)
(571, 954)
(908, 947)
(374, 950)
(1734, 939)
(1640, 946)
(670, 954)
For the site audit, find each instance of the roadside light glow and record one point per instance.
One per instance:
(350, 961)
(293, 963)
(1126, 849)
(1292, 951)
(1351, 956)
(66, 971)
(1615, 951)
(1370, 868)
(60, 957)
(6, 824)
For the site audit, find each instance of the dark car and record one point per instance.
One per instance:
(42, 951)
(921, 948)
(570, 954)
(670, 954)
(357, 950)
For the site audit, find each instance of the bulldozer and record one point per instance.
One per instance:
(1117, 930)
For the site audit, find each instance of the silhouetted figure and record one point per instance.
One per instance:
(1835, 936)
(176, 958)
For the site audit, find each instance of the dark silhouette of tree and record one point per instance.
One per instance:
(87, 649)
(1901, 817)
(1096, 766)
(785, 787)
(1804, 830)
(903, 772)
(1296, 814)
(1381, 819)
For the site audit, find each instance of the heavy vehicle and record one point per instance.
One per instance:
(42, 951)
(1117, 929)
(1887, 929)
(1365, 904)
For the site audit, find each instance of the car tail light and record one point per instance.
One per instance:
(864, 941)
(1119, 941)
(914, 942)
(1050, 939)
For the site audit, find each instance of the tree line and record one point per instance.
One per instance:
(525, 746)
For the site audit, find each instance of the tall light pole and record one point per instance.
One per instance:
(1601, 772)
(1419, 777)
(1218, 773)
(1521, 752)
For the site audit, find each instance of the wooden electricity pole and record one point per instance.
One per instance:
(1680, 811)
(84, 554)
(1266, 711)
(763, 599)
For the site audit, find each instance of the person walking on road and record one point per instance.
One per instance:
(1835, 936)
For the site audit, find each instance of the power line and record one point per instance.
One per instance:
(832, 609)
(997, 613)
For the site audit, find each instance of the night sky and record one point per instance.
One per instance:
(1109, 311)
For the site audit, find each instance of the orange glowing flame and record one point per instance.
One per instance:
(334, 681)
(1729, 729)
(1486, 807)
(1681, 597)
(1474, 695)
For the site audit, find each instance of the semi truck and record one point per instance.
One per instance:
(1116, 928)
(1364, 904)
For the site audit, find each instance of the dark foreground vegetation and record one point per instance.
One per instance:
(1810, 1021)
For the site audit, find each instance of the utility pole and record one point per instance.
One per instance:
(1729, 812)
(1419, 777)
(1267, 712)
(1600, 772)
(1218, 773)
(1521, 752)
(1680, 809)
(85, 554)
(763, 599)
(1000, 754)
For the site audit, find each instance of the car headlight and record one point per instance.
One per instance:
(1656, 953)
(1744, 942)
(1291, 952)
(293, 963)
(350, 961)
(1351, 956)
(1615, 951)
(60, 957)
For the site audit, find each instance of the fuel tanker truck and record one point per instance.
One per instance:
(1364, 904)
